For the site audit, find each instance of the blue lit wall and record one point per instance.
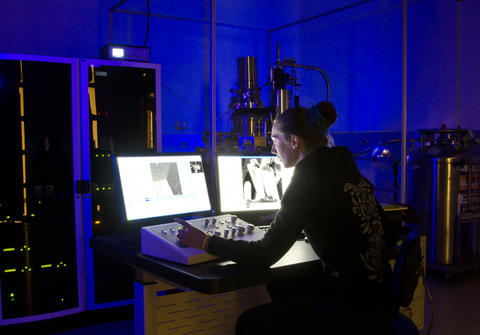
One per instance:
(357, 43)
(359, 48)
(53, 28)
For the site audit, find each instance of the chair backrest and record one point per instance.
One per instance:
(407, 269)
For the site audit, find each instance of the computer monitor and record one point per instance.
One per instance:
(248, 183)
(162, 185)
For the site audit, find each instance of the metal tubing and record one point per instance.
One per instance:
(403, 189)
(315, 68)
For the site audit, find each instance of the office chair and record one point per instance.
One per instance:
(406, 273)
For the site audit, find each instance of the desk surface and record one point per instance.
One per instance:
(211, 277)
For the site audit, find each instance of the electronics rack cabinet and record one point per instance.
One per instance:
(41, 245)
(120, 114)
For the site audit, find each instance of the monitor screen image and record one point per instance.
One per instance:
(162, 185)
(251, 183)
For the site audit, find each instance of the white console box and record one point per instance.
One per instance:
(161, 240)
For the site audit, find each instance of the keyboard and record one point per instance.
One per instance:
(161, 240)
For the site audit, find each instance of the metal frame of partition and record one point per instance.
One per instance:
(77, 200)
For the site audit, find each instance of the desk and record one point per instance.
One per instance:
(205, 298)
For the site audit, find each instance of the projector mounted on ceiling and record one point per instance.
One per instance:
(125, 52)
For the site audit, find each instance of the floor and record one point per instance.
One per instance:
(456, 306)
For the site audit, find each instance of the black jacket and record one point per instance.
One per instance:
(336, 208)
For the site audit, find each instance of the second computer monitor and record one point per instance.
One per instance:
(249, 183)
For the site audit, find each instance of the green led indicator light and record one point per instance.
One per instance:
(10, 270)
(98, 188)
(8, 249)
(46, 266)
(96, 155)
(12, 294)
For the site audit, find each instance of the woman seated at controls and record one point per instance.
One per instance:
(335, 206)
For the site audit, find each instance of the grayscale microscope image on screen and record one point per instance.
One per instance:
(251, 183)
(165, 179)
(261, 180)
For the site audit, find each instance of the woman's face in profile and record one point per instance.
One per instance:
(282, 147)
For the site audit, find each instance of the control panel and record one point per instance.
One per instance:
(161, 240)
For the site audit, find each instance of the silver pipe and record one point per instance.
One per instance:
(315, 68)
(403, 189)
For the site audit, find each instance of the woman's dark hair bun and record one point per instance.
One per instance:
(328, 111)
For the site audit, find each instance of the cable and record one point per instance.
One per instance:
(148, 23)
(429, 295)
